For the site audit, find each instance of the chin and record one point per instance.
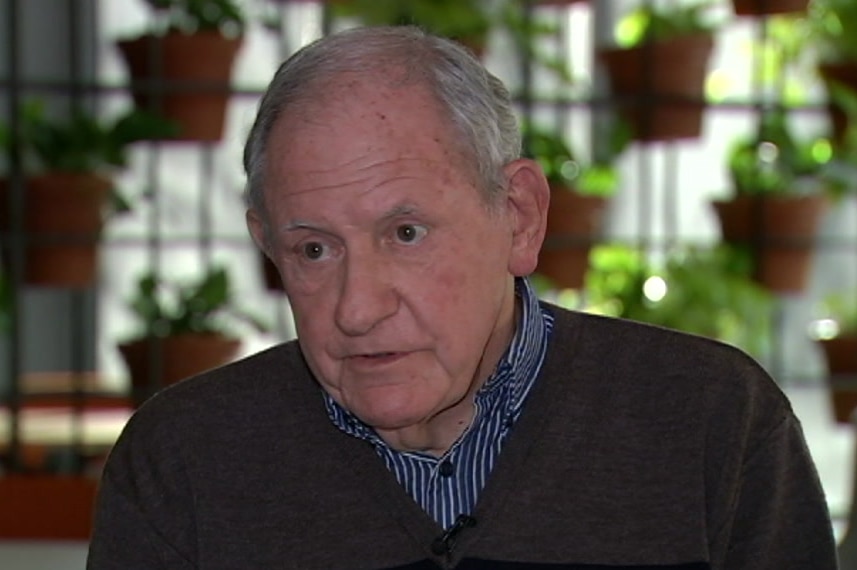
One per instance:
(392, 413)
(390, 420)
(392, 407)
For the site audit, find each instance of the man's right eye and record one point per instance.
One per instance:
(313, 250)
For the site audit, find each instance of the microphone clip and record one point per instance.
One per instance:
(445, 543)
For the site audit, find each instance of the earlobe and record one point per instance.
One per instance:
(528, 199)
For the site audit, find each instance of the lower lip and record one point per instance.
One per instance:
(380, 360)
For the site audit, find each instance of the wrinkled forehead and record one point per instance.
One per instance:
(353, 95)
(384, 83)
(353, 115)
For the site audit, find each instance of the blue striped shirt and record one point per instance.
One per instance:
(448, 486)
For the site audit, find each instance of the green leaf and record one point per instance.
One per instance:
(737, 311)
(832, 29)
(81, 142)
(200, 306)
(138, 125)
(562, 167)
(457, 19)
(841, 306)
(652, 23)
(774, 159)
(190, 16)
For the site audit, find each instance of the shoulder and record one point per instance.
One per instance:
(266, 372)
(662, 396)
(601, 341)
(638, 362)
(634, 341)
(273, 385)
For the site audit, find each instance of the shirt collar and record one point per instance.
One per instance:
(522, 358)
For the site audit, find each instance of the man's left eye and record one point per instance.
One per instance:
(410, 233)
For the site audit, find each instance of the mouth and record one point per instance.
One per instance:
(377, 358)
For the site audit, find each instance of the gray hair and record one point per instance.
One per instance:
(478, 103)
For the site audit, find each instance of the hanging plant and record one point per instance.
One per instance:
(657, 73)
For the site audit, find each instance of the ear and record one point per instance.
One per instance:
(527, 201)
(258, 229)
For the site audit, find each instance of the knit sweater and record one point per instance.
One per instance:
(638, 447)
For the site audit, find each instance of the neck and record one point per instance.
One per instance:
(436, 435)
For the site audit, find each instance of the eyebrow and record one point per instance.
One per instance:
(393, 213)
(298, 225)
(399, 211)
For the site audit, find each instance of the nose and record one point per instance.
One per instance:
(367, 296)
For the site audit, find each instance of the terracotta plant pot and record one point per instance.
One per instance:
(158, 362)
(846, 75)
(659, 88)
(184, 78)
(768, 7)
(46, 507)
(841, 356)
(574, 223)
(779, 230)
(63, 217)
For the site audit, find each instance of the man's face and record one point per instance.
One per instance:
(396, 270)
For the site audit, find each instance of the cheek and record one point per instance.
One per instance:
(449, 285)
(467, 270)
(313, 326)
(302, 281)
(457, 298)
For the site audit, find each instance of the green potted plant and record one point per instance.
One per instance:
(466, 21)
(832, 33)
(836, 334)
(702, 291)
(782, 66)
(780, 194)
(579, 194)
(658, 69)
(67, 187)
(181, 67)
(840, 172)
(184, 329)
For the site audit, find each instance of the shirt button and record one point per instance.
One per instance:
(446, 468)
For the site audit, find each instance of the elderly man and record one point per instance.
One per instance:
(432, 412)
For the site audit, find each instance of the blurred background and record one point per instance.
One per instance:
(702, 158)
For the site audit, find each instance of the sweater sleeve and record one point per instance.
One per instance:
(143, 515)
(124, 539)
(780, 517)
